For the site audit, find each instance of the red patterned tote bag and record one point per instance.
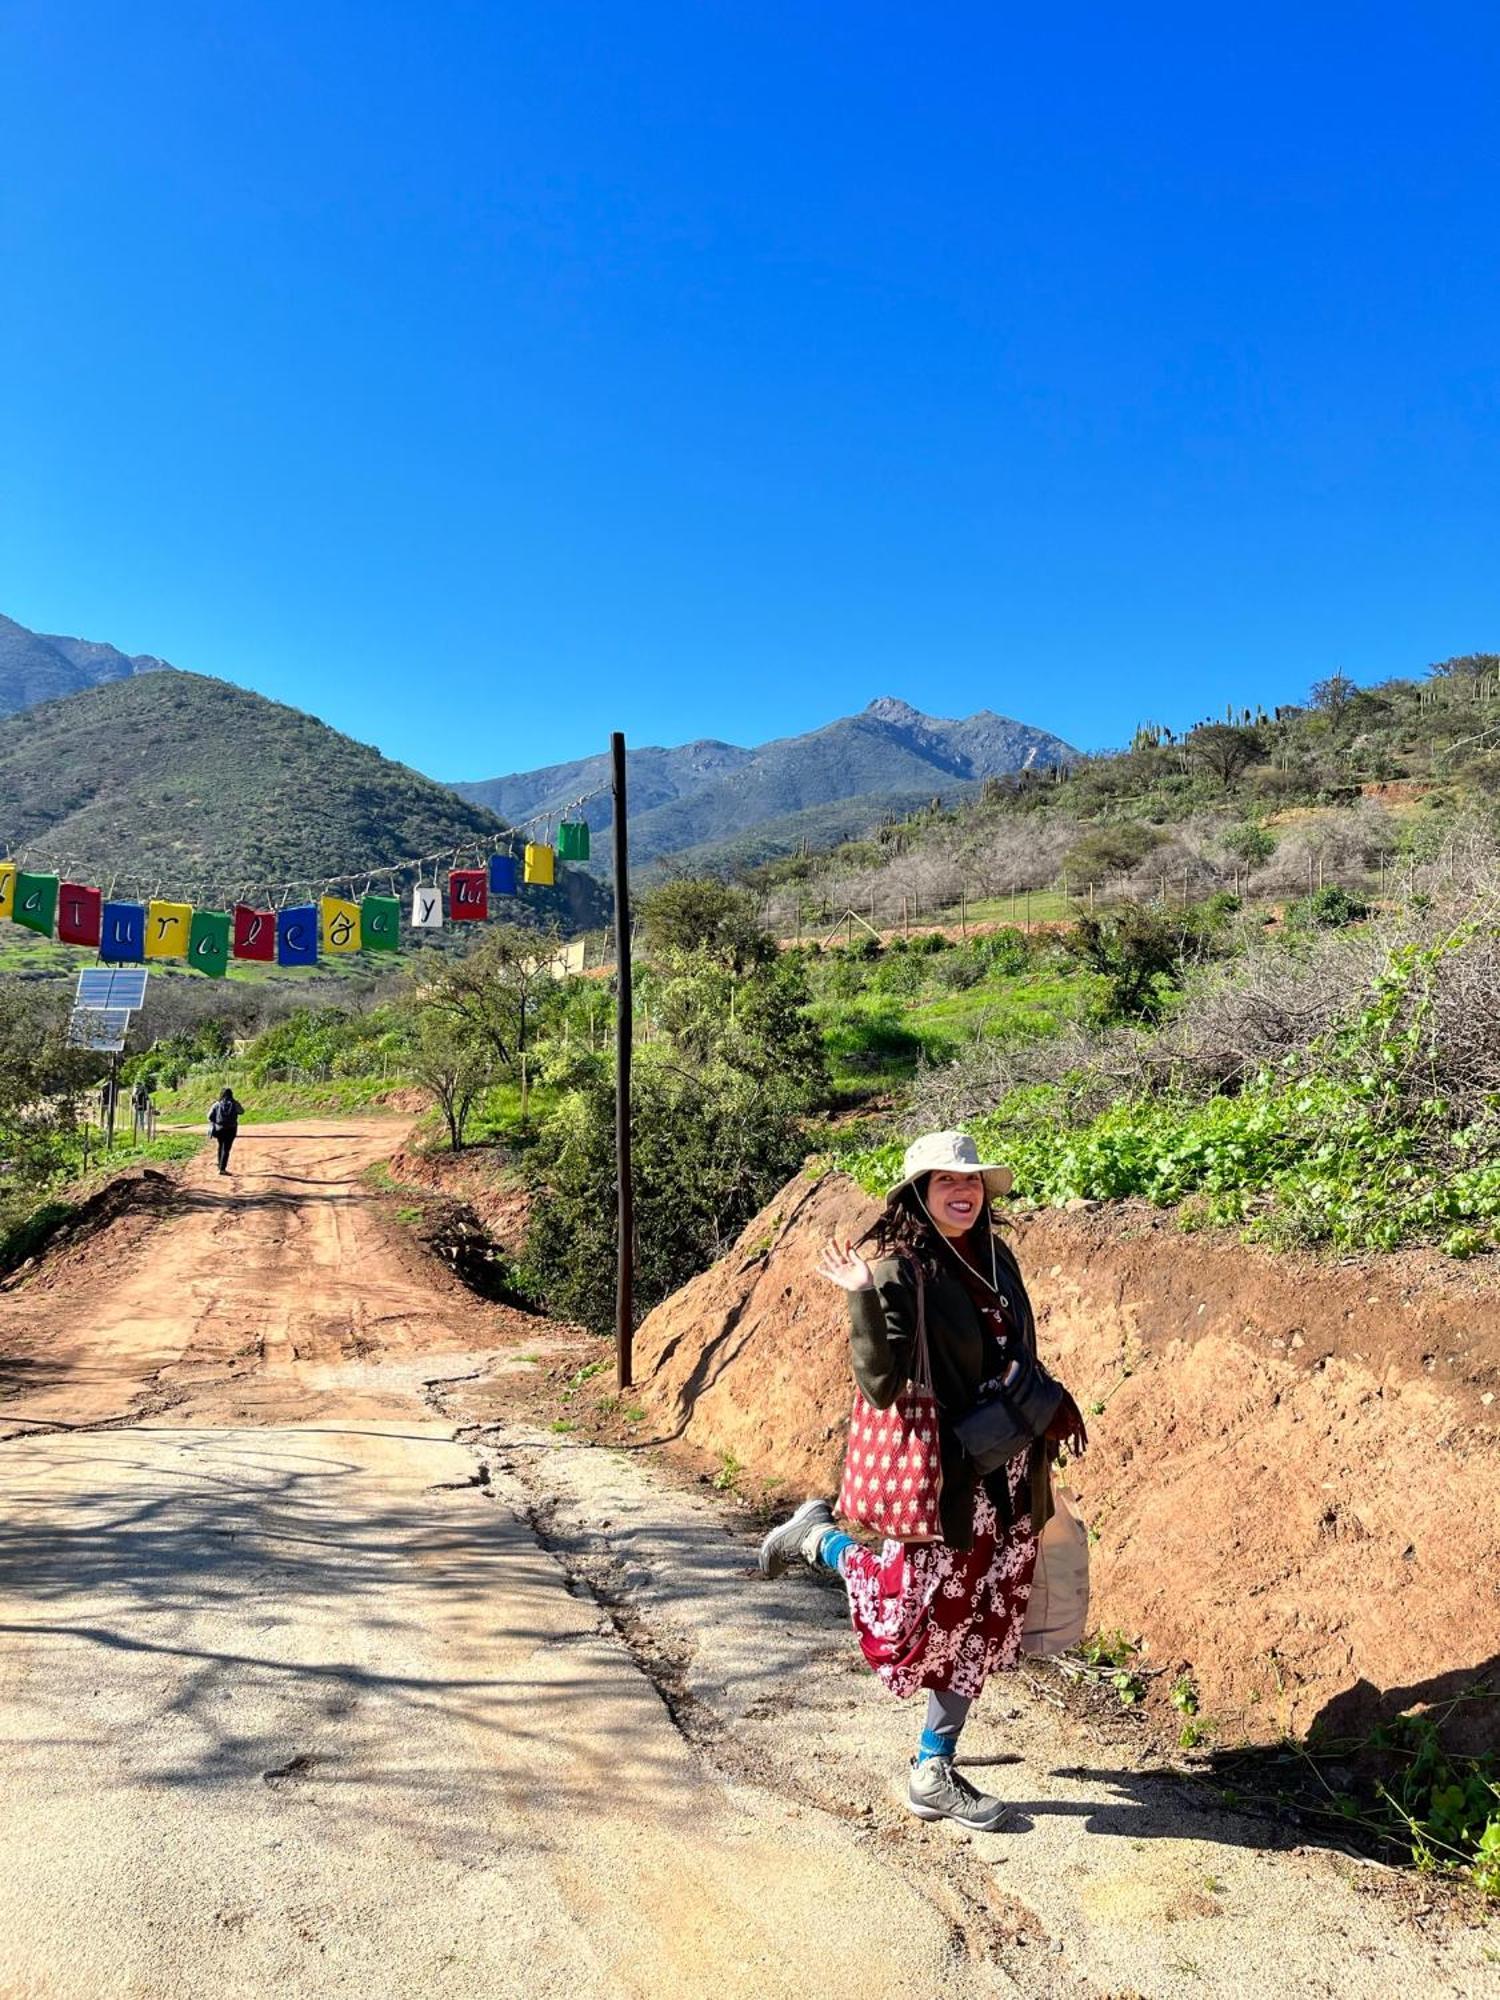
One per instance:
(893, 1473)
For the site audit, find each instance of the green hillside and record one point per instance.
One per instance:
(1341, 788)
(178, 782)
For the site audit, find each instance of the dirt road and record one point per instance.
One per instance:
(312, 1684)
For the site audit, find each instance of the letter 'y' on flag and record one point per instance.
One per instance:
(427, 907)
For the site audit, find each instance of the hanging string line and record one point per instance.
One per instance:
(475, 849)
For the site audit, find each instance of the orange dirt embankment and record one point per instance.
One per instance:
(1295, 1478)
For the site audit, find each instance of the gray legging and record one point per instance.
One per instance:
(946, 1714)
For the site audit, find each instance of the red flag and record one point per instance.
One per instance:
(468, 895)
(254, 932)
(80, 912)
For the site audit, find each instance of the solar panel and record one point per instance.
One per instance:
(102, 1029)
(108, 986)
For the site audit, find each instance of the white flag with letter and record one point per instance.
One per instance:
(427, 907)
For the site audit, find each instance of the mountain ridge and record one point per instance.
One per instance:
(708, 794)
(42, 666)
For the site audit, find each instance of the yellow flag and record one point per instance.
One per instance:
(541, 863)
(340, 925)
(7, 888)
(168, 926)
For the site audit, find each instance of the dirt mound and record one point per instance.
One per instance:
(64, 1225)
(1293, 1478)
(482, 1179)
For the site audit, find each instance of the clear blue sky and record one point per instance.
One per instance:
(485, 376)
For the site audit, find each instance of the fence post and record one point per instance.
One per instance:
(1028, 913)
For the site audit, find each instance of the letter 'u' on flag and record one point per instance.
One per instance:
(7, 888)
(167, 928)
(122, 938)
(380, 923)
(468, 895)
(297, 935)
(36, 902)
(80, 912)
(208, 942)
(254, 933)
(541, 864)
(340, 924)
(427, 907)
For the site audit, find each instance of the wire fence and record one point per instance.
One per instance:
(816, 916)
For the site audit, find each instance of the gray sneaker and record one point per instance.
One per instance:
(798, 1537)
(935, 1790)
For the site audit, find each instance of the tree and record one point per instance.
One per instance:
(493, 994)
(1333, 695)
(1109, 850)
(701, 915)
(710, 1150)
(455, 1063)
(1466, 667)
(1249, 842)
(1224, 748)
(1135, 952)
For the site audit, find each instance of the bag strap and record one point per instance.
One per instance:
(921, 1374)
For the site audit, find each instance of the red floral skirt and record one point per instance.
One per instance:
(928, 1616)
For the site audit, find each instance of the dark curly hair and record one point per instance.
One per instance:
(905, 1229)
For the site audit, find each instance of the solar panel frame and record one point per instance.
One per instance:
(111, 986)
(102, 1029)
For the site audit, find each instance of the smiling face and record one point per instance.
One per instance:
(955, 1202)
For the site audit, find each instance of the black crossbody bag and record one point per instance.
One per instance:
(1011, 1419)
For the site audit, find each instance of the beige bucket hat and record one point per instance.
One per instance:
(949, 1153)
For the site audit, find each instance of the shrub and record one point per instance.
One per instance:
(1110, 850)
(709, 1152)
(1327, 909)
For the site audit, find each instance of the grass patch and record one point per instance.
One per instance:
(273, 1103)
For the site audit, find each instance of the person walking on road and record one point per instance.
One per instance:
(224, 1118)
(940, 1615)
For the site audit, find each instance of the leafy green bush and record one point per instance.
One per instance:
(1139, 954)
(1344, 1143)
(1007, 952)
(709, 1151)
(1327, 909)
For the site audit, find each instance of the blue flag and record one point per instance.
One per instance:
(297, 934)
(122, 934)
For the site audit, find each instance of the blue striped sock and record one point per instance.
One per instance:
(932, 1743)
(831, 1548)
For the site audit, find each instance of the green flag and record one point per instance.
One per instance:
(380, 923)
(208, 942)
(36, 902)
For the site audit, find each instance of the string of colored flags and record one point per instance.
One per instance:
(281, 930)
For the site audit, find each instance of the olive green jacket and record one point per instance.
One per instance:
(882, 1337)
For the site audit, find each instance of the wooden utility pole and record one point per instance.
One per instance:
(624, 1024)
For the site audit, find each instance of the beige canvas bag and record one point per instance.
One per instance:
(1057, 1611)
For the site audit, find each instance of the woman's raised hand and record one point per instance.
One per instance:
(842, 1265)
